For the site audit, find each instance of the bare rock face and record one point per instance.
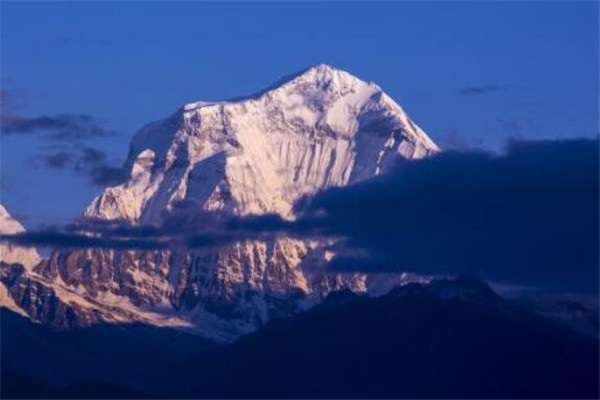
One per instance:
(40, 302)
(321, 128)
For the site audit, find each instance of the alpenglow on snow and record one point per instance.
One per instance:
(317, 129)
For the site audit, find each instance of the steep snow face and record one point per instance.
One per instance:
(9, 253)
(321, 128)
(318, 129)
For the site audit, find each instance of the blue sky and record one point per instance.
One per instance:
(472, 74)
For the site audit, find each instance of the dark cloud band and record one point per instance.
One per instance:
(530, 215)
(527, 216)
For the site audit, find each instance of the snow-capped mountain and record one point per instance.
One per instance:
(321, 128)
(260, 154)
(28, 257)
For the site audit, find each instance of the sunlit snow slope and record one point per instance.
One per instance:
(260, 154)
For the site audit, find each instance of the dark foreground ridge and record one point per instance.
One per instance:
(451, 339)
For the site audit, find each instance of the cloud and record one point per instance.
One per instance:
(529, 216)
(65, 127)
(70, 133)
(106, 175)
(74, 240)
(483, 89)
(94, 164)
(184, 229)
(90, 162)
(58, 160)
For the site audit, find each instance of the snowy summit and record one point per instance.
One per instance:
(320, 128)
(317, 129)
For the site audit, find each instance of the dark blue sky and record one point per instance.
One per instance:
(471, 74)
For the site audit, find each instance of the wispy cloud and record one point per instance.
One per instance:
(57, 160)
(65, 127)
(483, 89)
(90, 162)
(106, 175)
(70, 135)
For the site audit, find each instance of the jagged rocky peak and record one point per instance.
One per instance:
(320, 128)
(28, 257)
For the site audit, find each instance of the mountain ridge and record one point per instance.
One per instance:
(418, 341)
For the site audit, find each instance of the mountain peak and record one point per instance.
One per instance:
(8, 223)
(29, 257)
(323, 67)
(322, 76)
(3, 212)
(325, 71)
(315, 129)
(318, 77)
